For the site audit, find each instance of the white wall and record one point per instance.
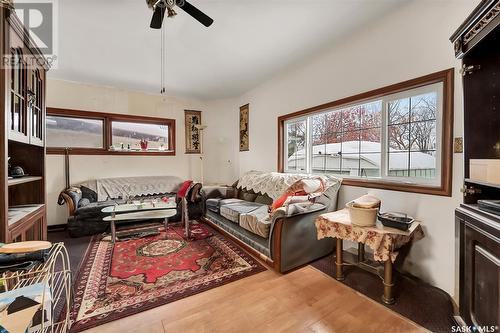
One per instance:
(220, 145)
(410, 42)
(70, 95)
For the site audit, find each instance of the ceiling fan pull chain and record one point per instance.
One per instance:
(163, 60)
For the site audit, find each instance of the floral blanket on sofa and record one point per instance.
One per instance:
(274, 184)
(112, 188)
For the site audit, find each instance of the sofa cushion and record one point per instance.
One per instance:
(92, 211)
(256, 242)
(229, 201)
(297, 199)
(258, 221)
(88, 193)
(213, 204)
(247, 196)
(83, 202)
(264, 199)
(306, 185)
(303, 208)
(232, 210)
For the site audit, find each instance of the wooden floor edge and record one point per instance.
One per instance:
(371, 300)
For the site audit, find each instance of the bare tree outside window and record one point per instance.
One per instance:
(412, 136)
(297, 137)
(348, 141)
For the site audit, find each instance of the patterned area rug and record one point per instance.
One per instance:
(139, 274)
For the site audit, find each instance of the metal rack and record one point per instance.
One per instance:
(55, 275)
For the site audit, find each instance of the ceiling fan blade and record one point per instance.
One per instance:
(196, 13)
(158, 16)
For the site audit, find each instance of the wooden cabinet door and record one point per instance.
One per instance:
(33, 229)
(36, 106)
(480, 275)
(18, 76)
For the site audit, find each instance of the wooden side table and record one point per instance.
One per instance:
(384, 242)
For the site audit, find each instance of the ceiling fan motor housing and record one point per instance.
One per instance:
(164, 3)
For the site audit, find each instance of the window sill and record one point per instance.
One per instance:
(442, 190)
(90, 151)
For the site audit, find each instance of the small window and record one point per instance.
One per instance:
(128, 135)
(96, 133)
(72, 132)
(398, 137)
(296, 139)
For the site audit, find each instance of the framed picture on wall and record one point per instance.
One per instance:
(193, 139)
(244, 134)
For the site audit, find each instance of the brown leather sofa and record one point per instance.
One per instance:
(291, 239)
(84, 208)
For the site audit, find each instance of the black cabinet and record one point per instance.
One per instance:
(479, 266)
(477, 43)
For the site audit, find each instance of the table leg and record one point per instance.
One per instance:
(187, 229)
(339, 261)
(185, 218)
(361, 252)
(388, 281)
(165, 224)
(113, 232)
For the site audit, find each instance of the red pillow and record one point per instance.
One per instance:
(280, 201)
(184, 189)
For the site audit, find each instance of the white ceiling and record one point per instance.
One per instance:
(110, 43)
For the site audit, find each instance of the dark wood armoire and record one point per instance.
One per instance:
(22, 138)
(477, 43)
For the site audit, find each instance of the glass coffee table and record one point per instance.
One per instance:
(138, 211)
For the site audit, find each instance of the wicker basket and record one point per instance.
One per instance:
(362, 217)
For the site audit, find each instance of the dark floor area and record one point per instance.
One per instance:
(76, 247)
(426, 305)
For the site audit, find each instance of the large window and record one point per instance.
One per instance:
(398, 137)
(105, 133)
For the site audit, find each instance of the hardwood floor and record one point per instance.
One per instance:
(305, 300)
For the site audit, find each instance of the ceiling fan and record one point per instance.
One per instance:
(161, 6)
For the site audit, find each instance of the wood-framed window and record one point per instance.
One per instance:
(97, 133)
(398, 137)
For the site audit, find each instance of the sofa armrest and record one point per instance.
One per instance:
(195, 195)
(65, 198)
(294, 239)
(296, 209)
(224, 192)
